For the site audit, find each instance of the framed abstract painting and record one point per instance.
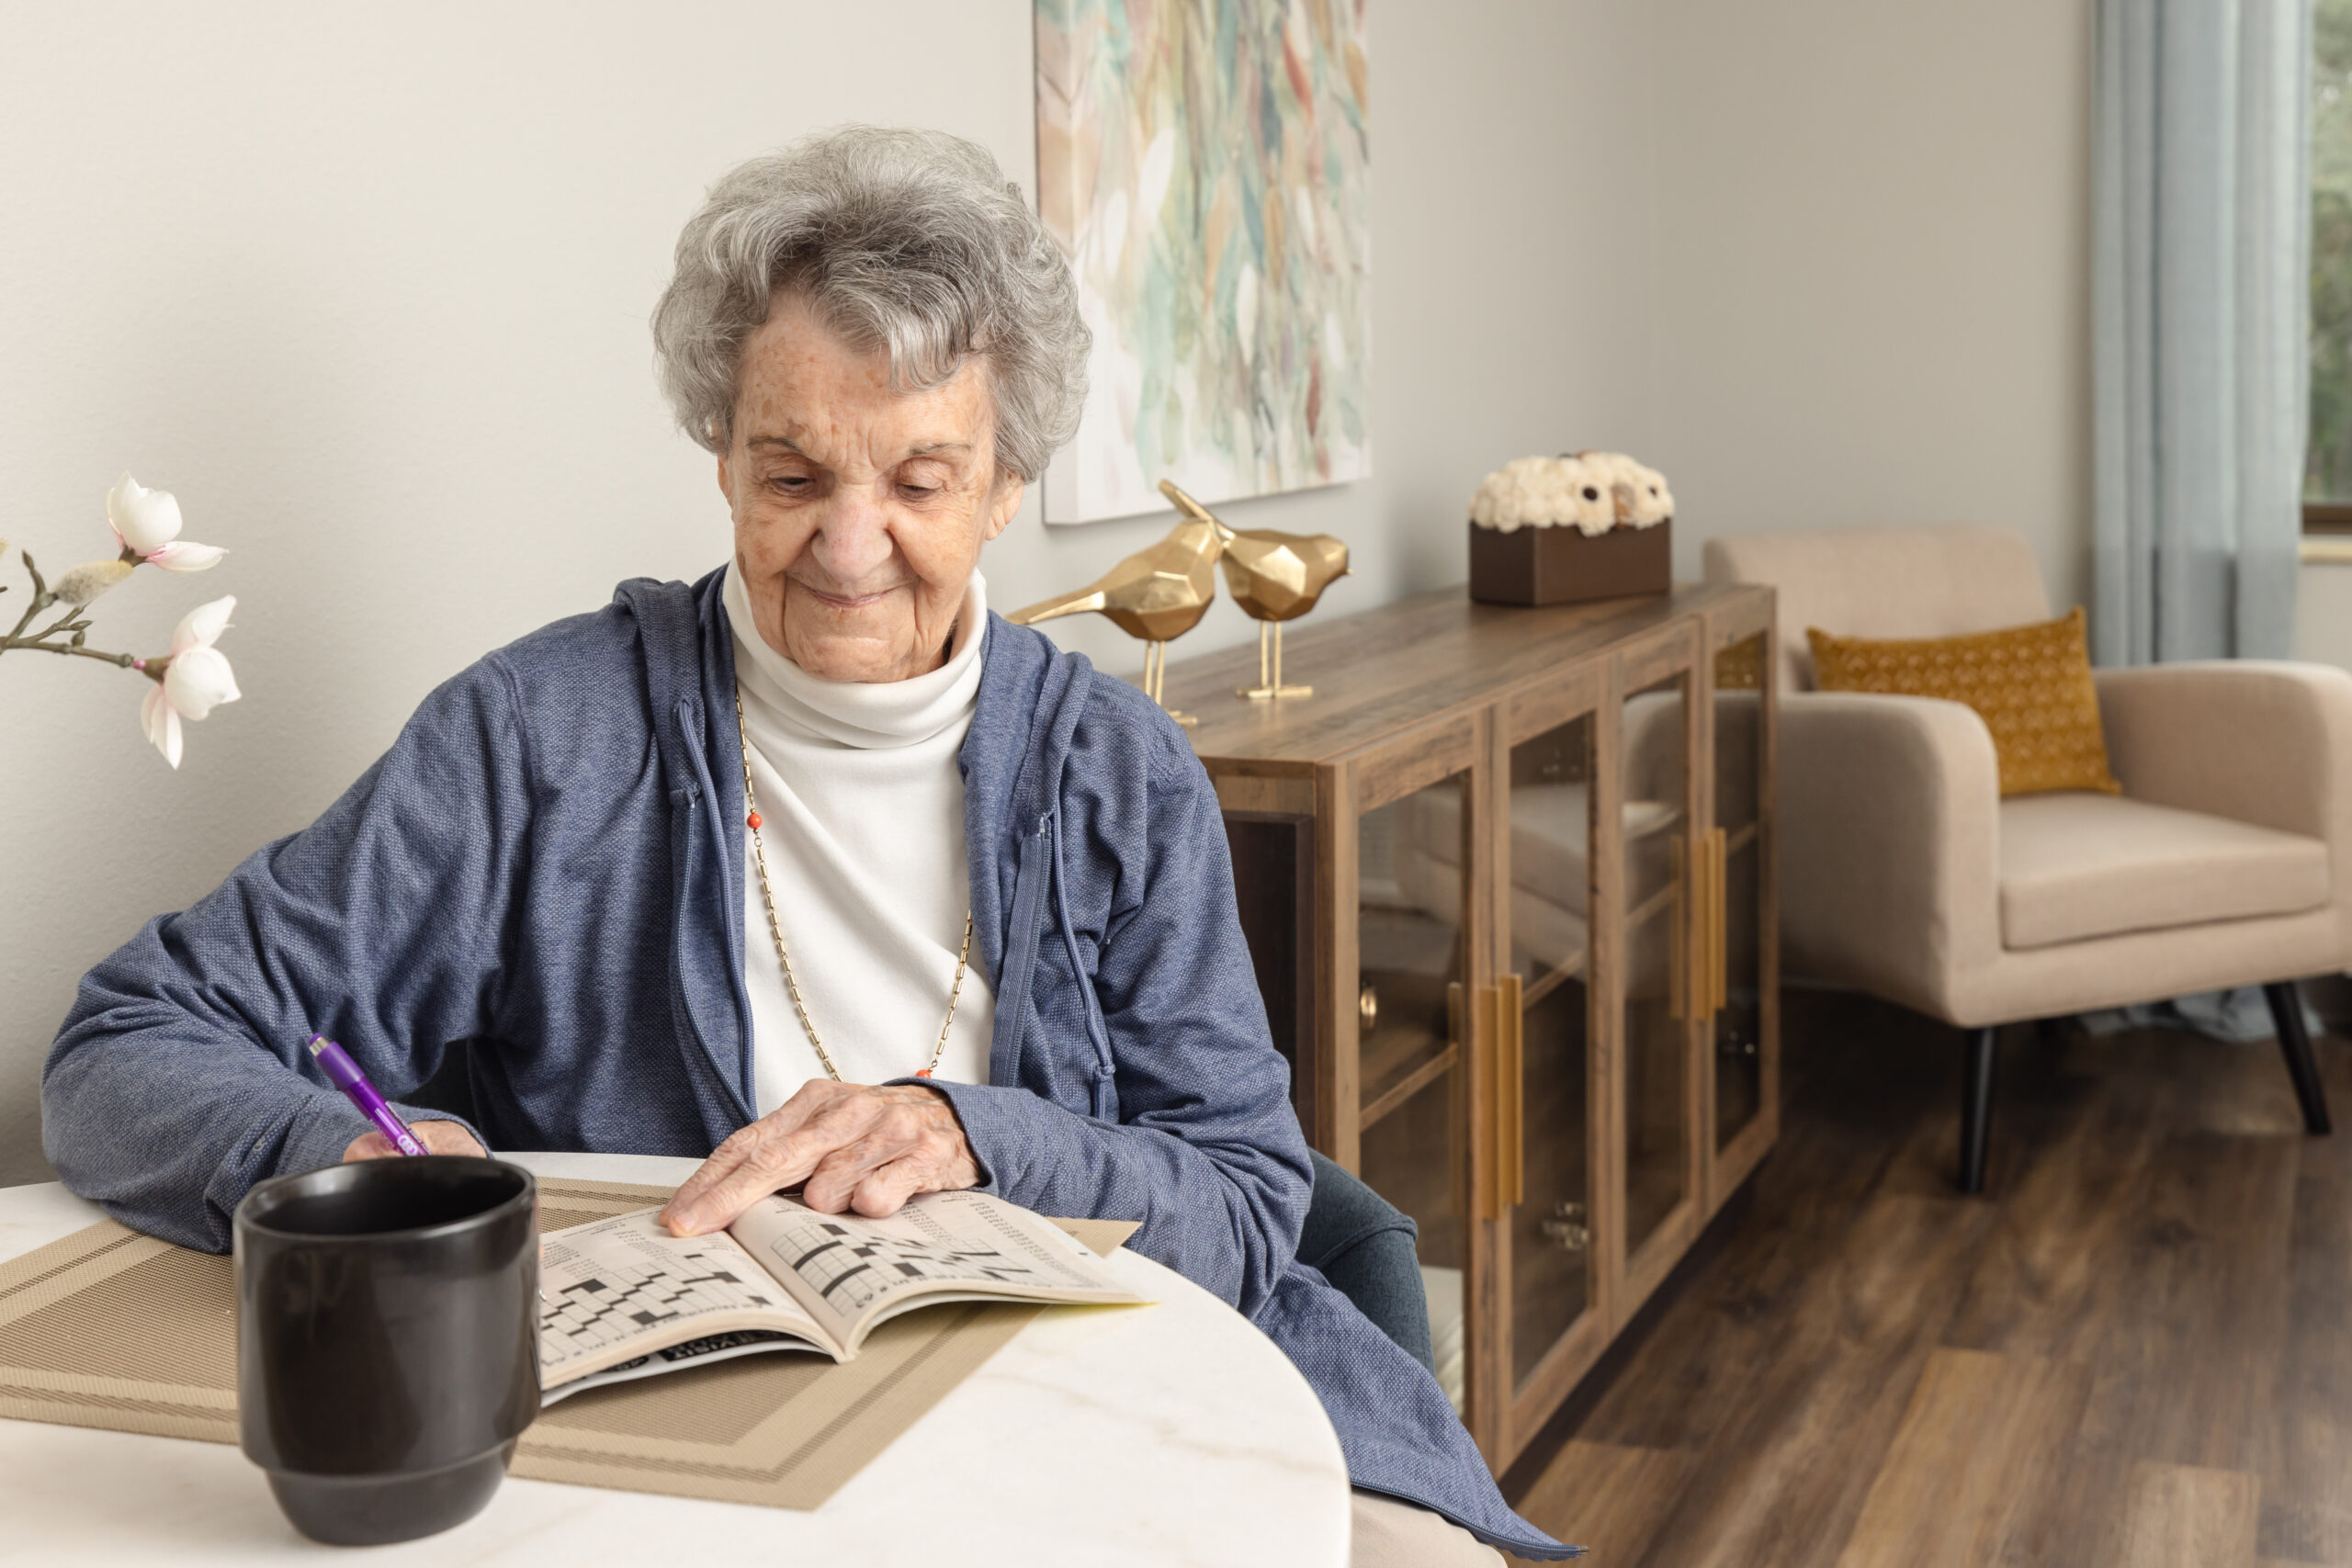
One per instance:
(1205, 166)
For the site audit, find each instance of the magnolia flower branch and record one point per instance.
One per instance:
(192, 679)
(76, 631)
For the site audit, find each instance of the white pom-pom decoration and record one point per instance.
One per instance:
(1591, 491)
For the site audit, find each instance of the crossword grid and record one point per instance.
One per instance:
(619, 1301)
(853, 1270)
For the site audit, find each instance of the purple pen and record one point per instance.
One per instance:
(345, 1074)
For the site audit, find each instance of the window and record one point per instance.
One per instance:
(2327, 463)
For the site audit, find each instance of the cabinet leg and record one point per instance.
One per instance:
(1975, 1104)
(2295, 1043)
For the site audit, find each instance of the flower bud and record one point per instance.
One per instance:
(86, 582)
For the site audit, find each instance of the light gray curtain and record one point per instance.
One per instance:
(2201, 254)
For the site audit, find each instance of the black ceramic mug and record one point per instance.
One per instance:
(388, 1340)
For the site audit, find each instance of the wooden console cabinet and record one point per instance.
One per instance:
(1508, 881)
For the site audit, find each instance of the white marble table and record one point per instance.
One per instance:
(1173, 1434)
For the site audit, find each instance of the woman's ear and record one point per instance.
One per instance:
(1003, 501)
(726, 482)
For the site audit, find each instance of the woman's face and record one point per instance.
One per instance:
(859, 510)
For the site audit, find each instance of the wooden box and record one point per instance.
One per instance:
(1561, 565)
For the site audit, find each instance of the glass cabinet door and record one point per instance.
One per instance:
(1412, 952)
(1660, 855)
(1548, 1147)
(1737, 1031)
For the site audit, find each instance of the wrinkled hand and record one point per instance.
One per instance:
(856, 1146)
(438, 1137)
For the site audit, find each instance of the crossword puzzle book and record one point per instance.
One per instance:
(626, 1299)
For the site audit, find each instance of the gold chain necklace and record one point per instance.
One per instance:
(776, 925)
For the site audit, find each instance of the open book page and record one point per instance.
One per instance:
(619, 1288)
(852, 1272)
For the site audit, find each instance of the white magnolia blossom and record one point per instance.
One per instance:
(1591, 491)
(197, 678)
(147, 521)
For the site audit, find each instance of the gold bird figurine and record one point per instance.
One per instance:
(1275, 576)
(1155, 594)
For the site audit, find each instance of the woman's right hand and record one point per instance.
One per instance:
(438, 1137)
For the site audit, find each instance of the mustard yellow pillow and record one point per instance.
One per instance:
(2030, 685)
(1740, 667)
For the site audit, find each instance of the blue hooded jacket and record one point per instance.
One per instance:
(548, 859)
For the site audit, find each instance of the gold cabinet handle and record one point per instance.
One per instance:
(1702, 949)
(1711, 932)
(1368, 1008)
(1719, 919)
(1491, 1202)
(1506, 1098)
(1714, 917)
(1702, 940)
(1690, 980)
(1679, 992)
(1700, 983)
(1511, 1054)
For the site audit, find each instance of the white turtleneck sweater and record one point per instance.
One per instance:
(860, 807)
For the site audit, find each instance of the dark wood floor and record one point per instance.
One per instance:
(2136, 1349)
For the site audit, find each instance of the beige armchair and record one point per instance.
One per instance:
(2227, 861)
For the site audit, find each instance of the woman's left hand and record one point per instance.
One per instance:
(858, 1146)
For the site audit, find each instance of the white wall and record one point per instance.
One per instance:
(1873, 279)
(366, 286)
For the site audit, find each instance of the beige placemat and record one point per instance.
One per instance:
(113, 1329)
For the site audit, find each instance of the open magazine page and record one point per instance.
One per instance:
(851, 1272)
(617, 1289)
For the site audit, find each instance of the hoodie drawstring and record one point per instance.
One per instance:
(1104, 1098)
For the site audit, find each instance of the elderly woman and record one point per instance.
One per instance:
(813, 867)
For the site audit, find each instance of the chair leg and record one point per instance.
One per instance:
(2295, 1043)
(1975, 1104)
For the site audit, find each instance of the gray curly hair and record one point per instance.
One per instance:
(910, 241)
